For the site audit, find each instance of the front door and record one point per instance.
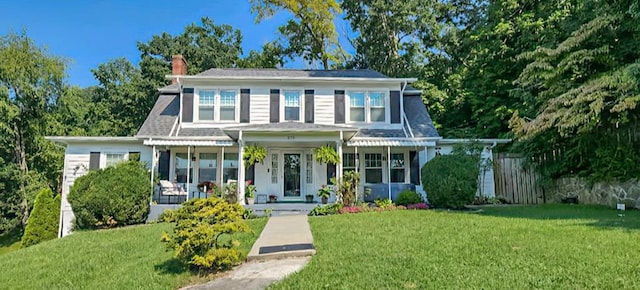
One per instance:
(292, 165)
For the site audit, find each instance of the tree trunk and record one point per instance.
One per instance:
(21, 159)
(325, 62)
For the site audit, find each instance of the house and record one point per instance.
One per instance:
(201, 124)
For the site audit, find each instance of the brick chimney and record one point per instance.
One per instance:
(178, 66)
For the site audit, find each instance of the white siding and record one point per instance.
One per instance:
(76, 162)
(324, 104)
(259, 105)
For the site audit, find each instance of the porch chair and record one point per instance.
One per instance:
(170, 189)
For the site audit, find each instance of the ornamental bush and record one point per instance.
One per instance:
(451, 181)
(43, 221)
(202, 236)
(407, 197)
(115, 196)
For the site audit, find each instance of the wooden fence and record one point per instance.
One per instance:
(515, 183)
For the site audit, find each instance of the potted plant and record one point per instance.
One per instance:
(249, 192)
(273, 198)
(326, 154)
(253, 153)
(324, 192)
(309, 198)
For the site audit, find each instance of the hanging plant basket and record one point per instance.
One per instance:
(327, 154)
(253, 153)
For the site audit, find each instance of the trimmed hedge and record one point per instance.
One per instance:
(407, 197)
(111, 197)
(43, 221)
(451, 181)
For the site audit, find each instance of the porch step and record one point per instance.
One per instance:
(283, 237)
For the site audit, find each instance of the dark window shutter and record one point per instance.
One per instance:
(250, 173)
(274, 109)
(187, 105)
(394, 98)
(339, 106)
(308, 106)
(163, 165)
(245, 106)
(94, 160)
(414, 167)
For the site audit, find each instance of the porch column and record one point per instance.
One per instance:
(339, 150)
(389, 170)
(153, 166)
(221, 173)
(240, 169)
(188, 169)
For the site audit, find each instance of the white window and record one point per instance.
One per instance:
(367, 107)
(206, 108)
(397, 167)
(227, 105)
(114, 158)
(356, 108)
(373, 168)
(292, 106)
(348, 162)
(217, 105)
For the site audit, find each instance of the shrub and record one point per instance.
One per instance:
(407, 197)
(201, 237)
(451, 180)
(383, 203)
(44, 219)
(346, 189)
(325, 210)
(110, 197)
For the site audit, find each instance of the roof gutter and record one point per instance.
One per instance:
(223, 78)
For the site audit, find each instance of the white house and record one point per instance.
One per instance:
(200, 125)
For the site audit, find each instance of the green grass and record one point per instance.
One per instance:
(551, 247)
(10, 242)
(126, 258)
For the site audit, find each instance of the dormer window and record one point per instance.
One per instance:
(292, 106)
(216, 105)
(367, 107)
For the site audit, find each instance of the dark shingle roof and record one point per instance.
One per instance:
(201, 132)
(160, 120)
(293, 73)
(380, 133)
(419, 119)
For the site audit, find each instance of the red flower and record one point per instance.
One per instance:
(249, 182)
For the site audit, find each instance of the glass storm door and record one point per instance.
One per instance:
(292, 175)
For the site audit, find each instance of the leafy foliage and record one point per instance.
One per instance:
(346, 188)
(111, 197)
(326, 154)
(201, 237)
(311, 32)
(43, 221)
(253, 154)
(407, 197)
(328, 209)
(451, 181)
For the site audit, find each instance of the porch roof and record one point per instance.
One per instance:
(188, 142)
(291, 127)
(393, 142)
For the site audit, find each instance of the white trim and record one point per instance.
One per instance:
(301, 107)
(286, 78)
(79, 139)
(370, 142)
(367, 106)
(186, 142)
(482, 141)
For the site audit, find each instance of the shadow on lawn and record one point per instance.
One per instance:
(597, 216)
(172, 267)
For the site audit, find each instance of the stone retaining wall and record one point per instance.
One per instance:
(609, 193)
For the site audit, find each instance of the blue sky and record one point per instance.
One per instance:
(91, 32)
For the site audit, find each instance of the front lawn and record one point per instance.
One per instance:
(126, 258)
(551, 246)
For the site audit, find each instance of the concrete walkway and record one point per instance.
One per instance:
(284, 247)
(284, 236)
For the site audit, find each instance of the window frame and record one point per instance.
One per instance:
(217, 96)
(367, 106)
(381, 167)
(105, 163)
(283, 106)
(403, 168)
(346, 168)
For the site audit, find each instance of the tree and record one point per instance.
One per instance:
(30, 82)
(311, 33)
(43, 222)
(271, 56)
